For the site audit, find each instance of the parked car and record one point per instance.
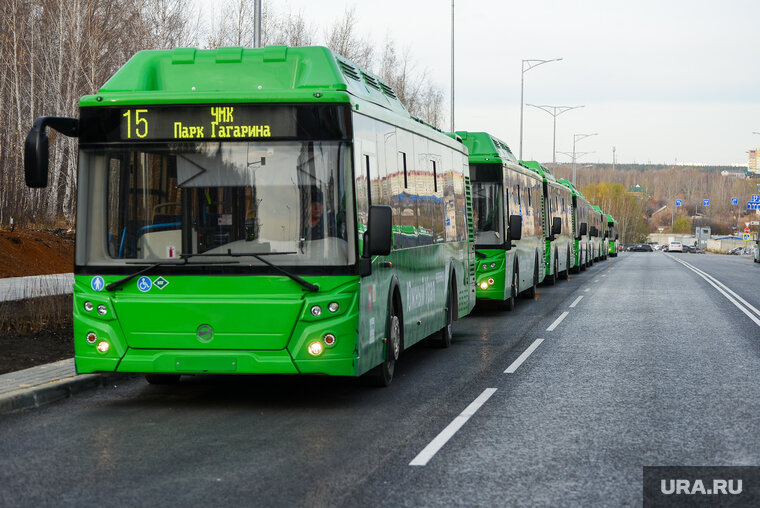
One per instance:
(642, 247)
(740, 251)
(688, 248)
(675, 247)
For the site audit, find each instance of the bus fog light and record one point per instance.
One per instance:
(484, 285)
(88, 306)
(103, 346)
(333, 307)
(329, 340)
(315, 348)
(490, 282)
(91, 338)
(102, 310)
(316, 311)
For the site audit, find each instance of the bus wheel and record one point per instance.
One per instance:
(509, 303)
(552, 279)
(446, 331)
(162, 379)
(382, 375)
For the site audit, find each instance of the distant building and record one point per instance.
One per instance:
(736, 173)
(638, 191)
(752, 163)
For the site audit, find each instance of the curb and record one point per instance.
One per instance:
(52, 391)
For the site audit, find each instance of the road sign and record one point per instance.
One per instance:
(705, 202)
(747, 237)
(754, 223)
(756, 198)
(734, 201)
(679, 202)
(753, 206)
(746, 230)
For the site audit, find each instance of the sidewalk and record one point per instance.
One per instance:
(34, 387)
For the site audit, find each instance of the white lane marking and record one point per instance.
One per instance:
(523, 356)
(717, 285)
(557, 321)
(596, 280)
(604, 275)
(441, 439)
(572, 305)
(586, 290)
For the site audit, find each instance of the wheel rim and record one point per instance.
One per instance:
(394, 341)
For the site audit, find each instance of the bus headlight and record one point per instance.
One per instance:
(88, 306)
(102, 310)
(316, 311)
(315, 348)
(333, 307)
(484, 285)
(103, 346)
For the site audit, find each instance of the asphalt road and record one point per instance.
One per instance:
(654, 365)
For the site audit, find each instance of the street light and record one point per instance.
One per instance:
(531, 64)
(555, 111)
(576, 138)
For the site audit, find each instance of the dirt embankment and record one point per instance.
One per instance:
(28, 252)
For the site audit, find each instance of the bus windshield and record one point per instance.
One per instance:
(488, 215)
(158, 202)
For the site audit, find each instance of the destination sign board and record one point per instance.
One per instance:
(205, 123)
(756, 198)
(214, 122)
(705, 202)
(734, 201)
(753, 206)
(679, 202)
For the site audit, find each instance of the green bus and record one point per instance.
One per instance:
(556, 210)
(268, 211)
(613, 236)
(581, 231)
(598, 222)
(509, 237)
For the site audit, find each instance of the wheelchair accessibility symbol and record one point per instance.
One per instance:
(144, 284)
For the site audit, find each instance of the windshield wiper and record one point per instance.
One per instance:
(120, 282)
(308, 285)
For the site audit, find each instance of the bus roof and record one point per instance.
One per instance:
(485, 148)
(536, 167)
(234, 74)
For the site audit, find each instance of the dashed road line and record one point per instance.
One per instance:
(441, 439)
(572, 305)
(557, 321)
(587, 290)
(516, 364)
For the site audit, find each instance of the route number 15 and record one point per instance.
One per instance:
(141, 124)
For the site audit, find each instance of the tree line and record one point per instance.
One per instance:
(656, 207)
(52, 52)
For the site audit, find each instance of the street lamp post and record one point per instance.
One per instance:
(576, 138)
(531, 64)
(555, 111)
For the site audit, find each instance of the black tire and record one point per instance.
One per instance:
(552, 279)
(162, 379)
(382, 375)
(509, 303)
(446, 334)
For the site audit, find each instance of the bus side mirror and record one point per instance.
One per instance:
(584, 228)
(556, 226)
(616, 236)
(380, 229)
(515, 228)
(36, 151)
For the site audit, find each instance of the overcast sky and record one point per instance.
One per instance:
(662, 81)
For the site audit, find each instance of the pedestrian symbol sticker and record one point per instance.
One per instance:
(160, 283)
(144, 284)
(97, 283)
